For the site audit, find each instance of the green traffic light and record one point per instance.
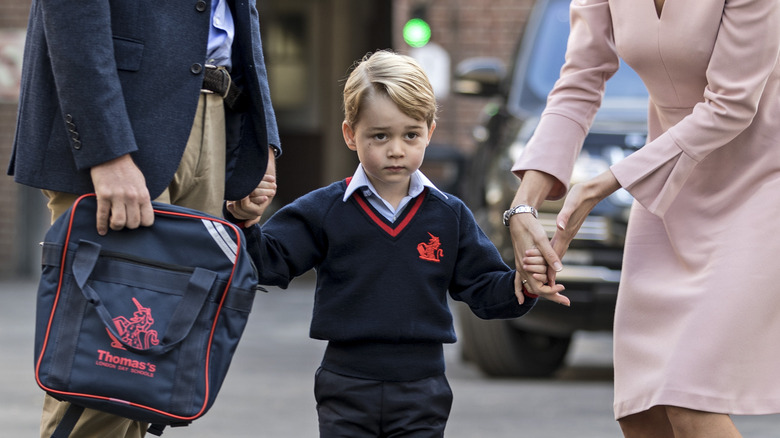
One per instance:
(417, 32)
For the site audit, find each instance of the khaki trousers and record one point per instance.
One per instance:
(199, 183)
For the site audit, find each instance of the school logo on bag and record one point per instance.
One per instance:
(135, 331)
(430, 251)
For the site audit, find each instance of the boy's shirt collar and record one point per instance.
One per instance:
(360, 180)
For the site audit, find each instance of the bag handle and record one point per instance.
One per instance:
(183, 318)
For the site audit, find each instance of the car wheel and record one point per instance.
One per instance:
(500, 349)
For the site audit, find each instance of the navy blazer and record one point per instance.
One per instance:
(101, 79)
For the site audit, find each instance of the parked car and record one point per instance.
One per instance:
(536, 344)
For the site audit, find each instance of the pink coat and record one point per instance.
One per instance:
(698, 316)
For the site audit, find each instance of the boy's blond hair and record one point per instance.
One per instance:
(397, 76)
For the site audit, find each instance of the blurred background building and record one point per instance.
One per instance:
(310, 46)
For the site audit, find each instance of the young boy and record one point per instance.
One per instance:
(387, 246)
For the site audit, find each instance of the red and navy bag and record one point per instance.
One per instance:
(141, 323)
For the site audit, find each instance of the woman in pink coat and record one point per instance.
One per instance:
(697, 324)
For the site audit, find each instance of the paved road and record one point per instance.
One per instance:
(268, 392)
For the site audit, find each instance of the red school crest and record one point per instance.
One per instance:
(430, 251)
(135, 331)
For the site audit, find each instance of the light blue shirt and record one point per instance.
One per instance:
(416, 186)
(221, 33)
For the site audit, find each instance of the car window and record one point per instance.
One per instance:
(548, 53)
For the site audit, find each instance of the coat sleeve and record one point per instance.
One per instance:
(265, 91)
(591, 59)
(481, 279)
(81, 49)
(744, 56)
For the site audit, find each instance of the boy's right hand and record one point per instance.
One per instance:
(252, 207)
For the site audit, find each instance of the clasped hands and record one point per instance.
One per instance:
(537, 259)
(252, 207)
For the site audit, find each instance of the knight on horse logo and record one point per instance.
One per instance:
(430, 251)
(136, 331)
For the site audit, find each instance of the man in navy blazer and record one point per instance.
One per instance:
(106, 81)
(120, 98)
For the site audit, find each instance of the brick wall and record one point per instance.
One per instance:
(14, 13)
(466, 28)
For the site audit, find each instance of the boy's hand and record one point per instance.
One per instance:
(529, 236)
(551, 293)
(535, 264)
(252, 207)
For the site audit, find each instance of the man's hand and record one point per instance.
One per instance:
(252, 207)
(122, 197)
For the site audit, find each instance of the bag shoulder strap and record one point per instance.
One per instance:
(156, 429)
(72, 415)
(68, 421)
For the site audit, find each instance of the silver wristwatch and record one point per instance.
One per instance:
(522, 208)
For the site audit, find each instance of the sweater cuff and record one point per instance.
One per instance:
(240, 223)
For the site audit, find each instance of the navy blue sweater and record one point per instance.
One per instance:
(381, 294)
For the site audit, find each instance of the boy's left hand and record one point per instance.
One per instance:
(534, 263)
(252, 207)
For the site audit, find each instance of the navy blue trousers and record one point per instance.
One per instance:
(353, 407)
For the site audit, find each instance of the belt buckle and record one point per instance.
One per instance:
(225, 80)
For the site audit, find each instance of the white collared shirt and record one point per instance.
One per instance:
(416, 186)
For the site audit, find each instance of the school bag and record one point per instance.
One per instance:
(140, 323)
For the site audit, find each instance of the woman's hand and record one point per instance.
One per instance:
(529, 235)
(579, 202)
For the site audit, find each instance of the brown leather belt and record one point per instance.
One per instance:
(217, 80)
